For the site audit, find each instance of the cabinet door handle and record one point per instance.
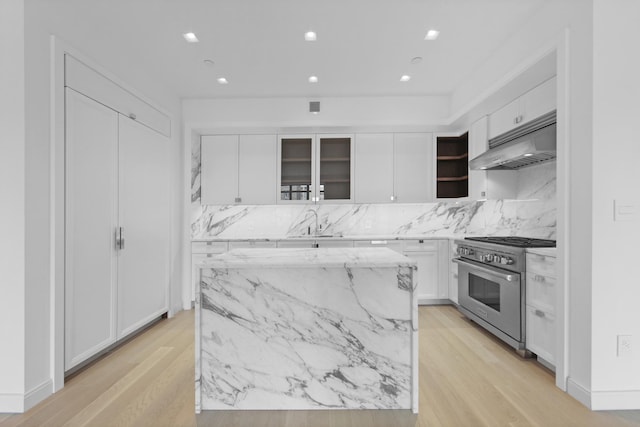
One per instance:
(539, 313)
(120, 238)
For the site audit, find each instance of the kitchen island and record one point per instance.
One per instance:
(331, 328)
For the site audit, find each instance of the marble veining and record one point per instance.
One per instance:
(324, 337)
(309, 258)
(531, 214)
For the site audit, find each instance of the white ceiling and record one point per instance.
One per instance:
(363, 46)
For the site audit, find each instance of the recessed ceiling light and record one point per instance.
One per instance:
(432, 35)
(208, 62)
(528, 155)
(190, 37)
(313, 79)
(405, 78)
(310, 36)
(416, 60)
(222, 81)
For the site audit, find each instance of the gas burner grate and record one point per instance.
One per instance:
(515, 241)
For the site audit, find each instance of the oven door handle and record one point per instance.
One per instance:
(492, 272)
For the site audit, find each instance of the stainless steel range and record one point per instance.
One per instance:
(491, 284)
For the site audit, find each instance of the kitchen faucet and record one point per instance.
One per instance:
(315, 213)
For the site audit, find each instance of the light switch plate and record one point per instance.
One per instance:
(625, 210)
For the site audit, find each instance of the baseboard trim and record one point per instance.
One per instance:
(38, 394)
(579, 393)
(11, 403)
(615, 400)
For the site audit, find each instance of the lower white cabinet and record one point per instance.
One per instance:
(453, 272)
(318, 243)
(541, 307)
(116, 227)
(433, 269)
(394, 245)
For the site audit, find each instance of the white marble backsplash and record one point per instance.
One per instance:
(531, 218)
(531, 214)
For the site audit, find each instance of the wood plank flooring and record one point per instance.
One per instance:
(467, 378)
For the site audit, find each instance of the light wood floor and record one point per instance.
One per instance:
(467, 378)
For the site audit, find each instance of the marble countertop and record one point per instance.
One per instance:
(543, 251)
(336, 237)
(305, 258)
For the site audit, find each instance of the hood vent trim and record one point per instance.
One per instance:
(527, 145)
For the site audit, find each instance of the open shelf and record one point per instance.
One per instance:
(452, 178)
(452, 173)
(458, 157)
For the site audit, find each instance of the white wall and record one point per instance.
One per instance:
(616, 150)
(37, 190)
(12, 206)
(596, 166)
(294, 112)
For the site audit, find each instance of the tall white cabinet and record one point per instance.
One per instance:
(116, 223)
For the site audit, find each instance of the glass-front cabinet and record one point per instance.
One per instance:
(296, 168)
(313, 168)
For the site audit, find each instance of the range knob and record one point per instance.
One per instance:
(506, 260)
(488, 257)
(465, 251)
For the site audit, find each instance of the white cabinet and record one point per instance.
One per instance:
(238, 169)
(541, 307)
(413, 167)
(478, 144)
(394, 167)
(85, 80)
(315, 168)
(533, 104)
(116, 227)
(453, 272)
(433, 269)
(374, 168)
(394, 245)
(316, 243)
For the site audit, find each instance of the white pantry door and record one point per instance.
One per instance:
(143, 263)
(91, 218)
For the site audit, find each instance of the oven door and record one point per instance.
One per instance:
(491, 294)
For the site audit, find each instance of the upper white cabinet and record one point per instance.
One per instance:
(90, 83)
(238, 169)
(478, 144)
(533, 104)
(314, 168)
(413, 167)
(394, 167)
(374, 168)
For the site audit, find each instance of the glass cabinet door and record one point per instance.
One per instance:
(296, 168)
(335, 167)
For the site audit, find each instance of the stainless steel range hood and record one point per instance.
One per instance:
(527, 145)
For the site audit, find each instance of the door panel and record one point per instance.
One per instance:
(219, 169)
(90, 221)
(144, 215)
(413, 158)
(257, 169)
(374, 168)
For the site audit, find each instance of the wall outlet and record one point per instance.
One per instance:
(624, 345)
